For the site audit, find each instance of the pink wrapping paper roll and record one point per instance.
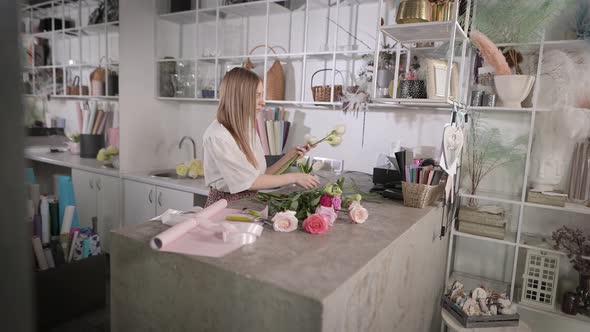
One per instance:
(114, 136)
(173, 233)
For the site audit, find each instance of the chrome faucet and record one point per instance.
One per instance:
(192, 141)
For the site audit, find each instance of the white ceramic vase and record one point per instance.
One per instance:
(513, 89)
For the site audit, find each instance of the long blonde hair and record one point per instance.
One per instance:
(237, 108)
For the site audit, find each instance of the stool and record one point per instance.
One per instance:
(455, 326)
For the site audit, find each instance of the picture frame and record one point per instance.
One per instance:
(436, 78)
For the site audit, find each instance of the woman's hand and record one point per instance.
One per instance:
(305, 181)
(300, 151)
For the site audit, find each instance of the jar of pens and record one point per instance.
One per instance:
(94, 120)
(423, 185)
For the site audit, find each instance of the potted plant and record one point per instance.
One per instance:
(576, 245)
(486, 151)
(74, 143)
(386, 66)
(511, 22)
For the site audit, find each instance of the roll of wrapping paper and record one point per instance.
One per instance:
(35, 196)
(66, 223)
(58, 254)
(49, 257)
(39, 253)
(37, 231)
(45, 220)
(54, 219)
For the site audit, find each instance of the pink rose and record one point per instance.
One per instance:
(358, 214)
(337, 202)
(326, 200)
(315, 224)
(327, 213)
(285, 221)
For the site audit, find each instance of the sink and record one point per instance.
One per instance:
(170, 174)
(166, 174)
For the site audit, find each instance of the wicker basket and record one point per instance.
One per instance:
(74, 89)
(421, 195)
(275, 77)
(323, 93)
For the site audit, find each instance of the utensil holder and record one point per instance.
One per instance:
(90, 144)
(421, 195)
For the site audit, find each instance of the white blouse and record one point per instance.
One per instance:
(226, 167)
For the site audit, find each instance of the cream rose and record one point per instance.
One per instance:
(358, 214)
(284, 221)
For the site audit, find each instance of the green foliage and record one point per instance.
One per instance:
(305, 166)
(583, 20)
(487, 150)
(516, 21)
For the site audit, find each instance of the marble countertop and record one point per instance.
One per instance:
(311, 265)
(66, 159)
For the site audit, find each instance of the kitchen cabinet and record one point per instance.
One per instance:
(98, 196)
(145, 201)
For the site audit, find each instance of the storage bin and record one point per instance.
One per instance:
(65, 292)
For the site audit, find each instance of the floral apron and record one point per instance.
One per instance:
(215, 195)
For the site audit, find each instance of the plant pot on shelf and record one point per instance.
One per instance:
(513, 89)
(74, 147)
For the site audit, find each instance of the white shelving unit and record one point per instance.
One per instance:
(517, 240)
(75, 48)
(181, 40)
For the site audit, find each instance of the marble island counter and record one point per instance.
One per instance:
(353, 278)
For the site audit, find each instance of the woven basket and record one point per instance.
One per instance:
(74, 89)
(421, 195)
(323, 93)
(275, 77)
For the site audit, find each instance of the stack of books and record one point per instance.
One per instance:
(488, 221)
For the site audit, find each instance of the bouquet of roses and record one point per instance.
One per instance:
(315, 210)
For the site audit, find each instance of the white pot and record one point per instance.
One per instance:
(513, 89)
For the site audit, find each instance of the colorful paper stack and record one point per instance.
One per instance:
(488, 221)
(273, 129)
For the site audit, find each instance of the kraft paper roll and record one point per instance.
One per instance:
(66, 223)
(34, 195)
(39, 254)
(44, 209)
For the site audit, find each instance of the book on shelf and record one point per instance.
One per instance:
(482, 230)
(483, 216)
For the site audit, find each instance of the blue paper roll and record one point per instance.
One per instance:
(30, 176)
(66, 197)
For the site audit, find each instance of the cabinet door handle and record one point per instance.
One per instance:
(150, 199)
(160, 199)
(90, 184)
(98, 184)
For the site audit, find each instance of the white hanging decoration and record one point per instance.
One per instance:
(540, 279)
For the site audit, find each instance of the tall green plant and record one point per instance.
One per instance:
(516, 21)
(486, 150)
